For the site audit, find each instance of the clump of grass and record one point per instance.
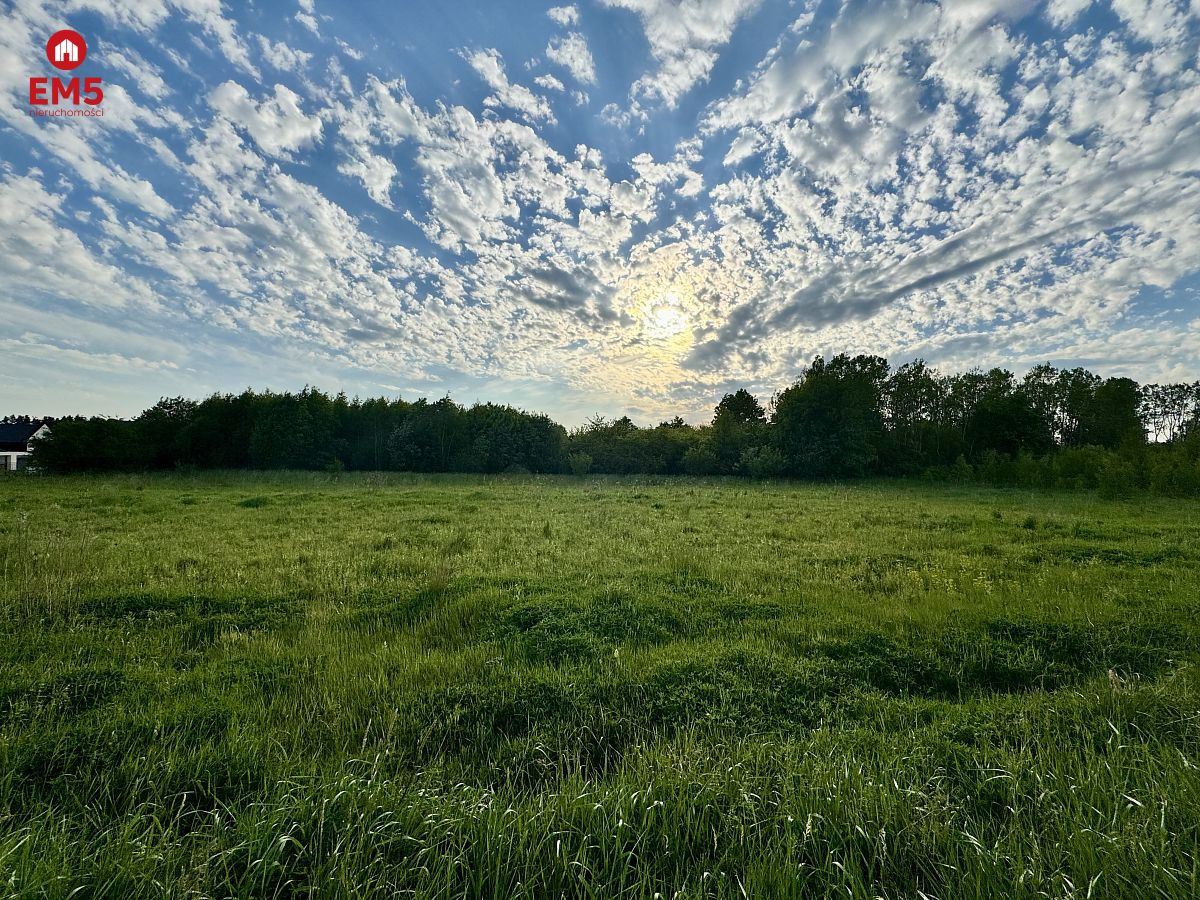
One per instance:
(42, 572)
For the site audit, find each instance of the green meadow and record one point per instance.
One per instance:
(255, 685)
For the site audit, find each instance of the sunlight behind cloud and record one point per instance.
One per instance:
(666, 319)
(664, 307)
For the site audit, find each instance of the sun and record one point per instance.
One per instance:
(666, 318)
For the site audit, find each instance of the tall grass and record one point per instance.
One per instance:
(40, 571)
(453, 687)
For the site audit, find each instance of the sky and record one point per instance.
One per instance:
(626, 207)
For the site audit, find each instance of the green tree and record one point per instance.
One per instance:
(1113, 416)
(98, 444)
(1006, 419)
(160, 431)
(914, 415)
(829, 422)
(738, 424)
(429, 438)
(1076, 389)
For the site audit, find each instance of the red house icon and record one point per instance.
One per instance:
(66, 49)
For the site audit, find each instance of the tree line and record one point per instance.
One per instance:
(846, 417)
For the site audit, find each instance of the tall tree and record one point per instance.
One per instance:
(1007, 420)
(738, 424)
(1167, 408)
(1076, 389)
(914, 405)
(829, 422)
(160, 432)
(1113, 416)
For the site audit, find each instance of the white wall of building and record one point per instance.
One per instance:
(8, 458)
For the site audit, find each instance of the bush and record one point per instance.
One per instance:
(1173, 474)
(961, 471)
(1117, 479)
(579, 463)
(761, 462)
(700, 460)
(1078, 468)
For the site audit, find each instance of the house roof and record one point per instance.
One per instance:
(16, 435)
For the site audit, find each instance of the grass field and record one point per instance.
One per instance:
(296, 685)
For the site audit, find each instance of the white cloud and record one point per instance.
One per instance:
(549, 82)
(684, 37)
(351, 52)
(564, 15)
(1154, 21)
(38, 254)
(143, 76)
(278, 125)
(1062, 13)
(888, 219)
(376, 174)
(147, 15)
(572, 53)
(283, 57)
(515, 96)
(82, 147)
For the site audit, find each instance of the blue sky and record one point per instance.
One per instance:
(617, 206)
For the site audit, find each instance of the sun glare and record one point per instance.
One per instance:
(666, 318)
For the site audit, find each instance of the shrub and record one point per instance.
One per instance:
(1173, 474)
(761, 462)
(1117, 479)
(579, 463)
(961, 471)
(699, 461)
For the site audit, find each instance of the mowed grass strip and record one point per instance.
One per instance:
(299, 685)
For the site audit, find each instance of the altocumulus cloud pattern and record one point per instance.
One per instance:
(625, 205)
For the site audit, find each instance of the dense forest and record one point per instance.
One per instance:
(850, 416)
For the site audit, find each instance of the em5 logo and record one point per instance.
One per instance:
(66, 50)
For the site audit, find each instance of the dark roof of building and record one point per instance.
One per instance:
(14, 433)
